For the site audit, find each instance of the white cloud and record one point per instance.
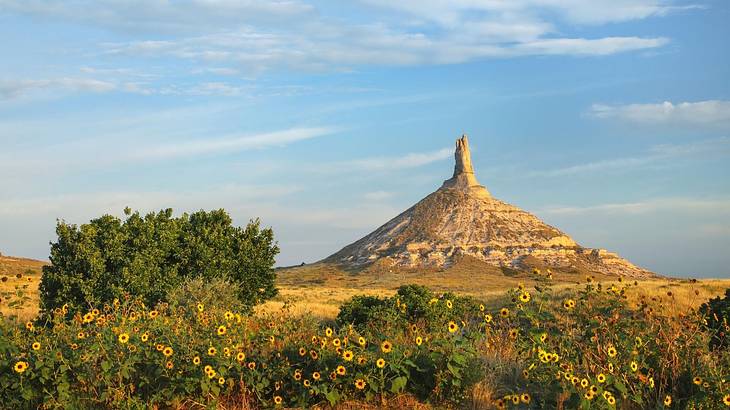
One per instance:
(410, 160)
(658, 154)
(377, 195)
(232, 37)
(10, 89)
(85, 205)
(451, 12)
(721, 206)
(176, 149)
(710, 112)
(588, 47)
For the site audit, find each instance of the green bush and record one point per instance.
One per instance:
(148, 256)
(411, 304)
(216, 294)
(717, 314)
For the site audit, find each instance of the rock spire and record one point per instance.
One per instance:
(461, 219)
(464, 179)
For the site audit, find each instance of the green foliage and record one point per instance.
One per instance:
(217, 293)
(411, 304)
(127, 356)
(148, 256)
(596, 350)
(590, 349)
(717, 314)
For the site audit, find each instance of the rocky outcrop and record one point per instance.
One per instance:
(461, 218)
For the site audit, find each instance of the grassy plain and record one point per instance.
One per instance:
(320, 289)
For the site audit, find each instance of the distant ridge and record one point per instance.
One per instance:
(463, 219)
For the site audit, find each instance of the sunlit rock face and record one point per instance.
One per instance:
(462, 218)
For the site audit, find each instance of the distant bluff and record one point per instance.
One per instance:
(463, 219)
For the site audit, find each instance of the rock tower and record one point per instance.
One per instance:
(462, 218)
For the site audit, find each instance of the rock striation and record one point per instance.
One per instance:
(462, 218)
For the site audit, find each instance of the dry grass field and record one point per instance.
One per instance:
(320, 289)
(19, 274)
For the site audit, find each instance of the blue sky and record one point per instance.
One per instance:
(608, 119)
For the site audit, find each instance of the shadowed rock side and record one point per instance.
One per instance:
(462, 218)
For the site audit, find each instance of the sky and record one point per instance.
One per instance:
(609, 119)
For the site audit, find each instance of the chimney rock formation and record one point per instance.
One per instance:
(462, 218)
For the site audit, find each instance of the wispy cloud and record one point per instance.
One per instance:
(176, 149)
(575, 11)
(720, 205)
(410, 160)
(377, 195)
(79, 205)
(710, 112)
(10, 89)
(227, 37)
(657, 154)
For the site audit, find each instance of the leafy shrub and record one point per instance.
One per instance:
(717, 314)
(587, 349)
(411, 304)
(124, 354)
(148, 256)
(215, 294)
(595, 350)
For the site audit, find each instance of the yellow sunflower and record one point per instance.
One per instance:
(316, 375)
(419, 340)
(20, 367)
(525, 398)
(611, 351)
(167, 351)
(361, 341)
(386, 347)
(453, 327)
(196, 360)
(240, 357)
(278, 400)
(341, 370)
(359, 384)
(221, 330)
(726, 400)
(348, 355)
(504, 312)
(36, 346)
(525, 297)
(123, 338)
(668, 400)
(328, 332)
(601, 378)
(212, 351)
(380, 363)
